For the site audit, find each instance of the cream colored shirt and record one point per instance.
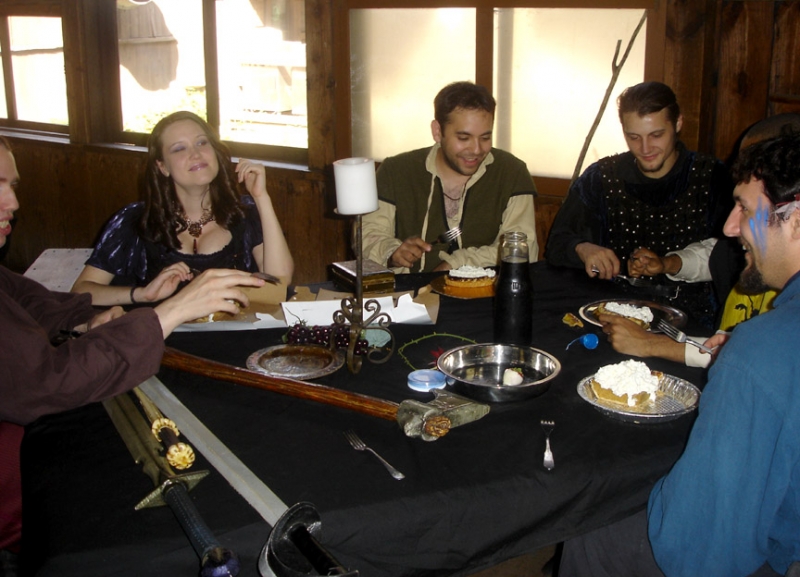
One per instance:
(378, 230)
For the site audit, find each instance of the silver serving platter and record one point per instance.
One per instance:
(675, 397)
(673, 316)
(296, 361)
(476, 371)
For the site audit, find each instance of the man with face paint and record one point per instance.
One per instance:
(730, 506)
(708, 260)
(658, 194)
(461, 181)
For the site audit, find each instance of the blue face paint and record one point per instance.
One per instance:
(758, 227)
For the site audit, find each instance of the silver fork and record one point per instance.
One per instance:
(632, 280)
(359, 445)
(449, 235)
(678, 335)
(548, 461)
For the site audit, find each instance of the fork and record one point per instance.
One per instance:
(632, 280)
(359, 445)
(267, 277)
(679, 336)
(547, 427)
(449, 235)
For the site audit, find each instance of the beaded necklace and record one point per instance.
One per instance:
(195, 227)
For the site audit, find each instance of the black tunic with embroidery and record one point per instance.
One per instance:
(613, 204)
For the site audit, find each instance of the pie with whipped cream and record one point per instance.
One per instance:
(642, 316)
(630, 383)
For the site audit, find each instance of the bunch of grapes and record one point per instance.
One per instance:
(299, 334)
(302, 334)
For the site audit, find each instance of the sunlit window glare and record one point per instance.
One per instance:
(551, 71)
(261, 67)
(37, 61)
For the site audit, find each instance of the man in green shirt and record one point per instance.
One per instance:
(461, 181)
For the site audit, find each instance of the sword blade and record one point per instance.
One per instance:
(243, 480)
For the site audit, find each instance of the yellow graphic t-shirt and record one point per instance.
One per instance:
(740, 307)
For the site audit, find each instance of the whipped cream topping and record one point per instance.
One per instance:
(628, 378)
(468, 271)
(631, 311)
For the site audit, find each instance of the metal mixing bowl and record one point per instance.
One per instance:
(476, 371)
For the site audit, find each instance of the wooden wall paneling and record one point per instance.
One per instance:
(785, 81)
(45, 215)
(685, 68)
(315, 237)
(113, 180)
(745, 53)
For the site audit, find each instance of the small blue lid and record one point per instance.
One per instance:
(426, 380)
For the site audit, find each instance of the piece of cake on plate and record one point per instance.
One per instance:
(642, 316)
(470, 277)
(630, 383)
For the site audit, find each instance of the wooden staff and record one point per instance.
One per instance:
(427, 420)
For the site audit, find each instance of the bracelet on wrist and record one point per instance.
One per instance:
(133, 300)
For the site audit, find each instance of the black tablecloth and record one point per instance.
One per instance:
(474, 498)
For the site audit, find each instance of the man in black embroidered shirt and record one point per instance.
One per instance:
(658, 194)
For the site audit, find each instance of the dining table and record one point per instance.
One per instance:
(473, 498)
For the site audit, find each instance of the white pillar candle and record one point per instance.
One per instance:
(356, 189)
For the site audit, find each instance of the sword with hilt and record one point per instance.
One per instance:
(178, 454)
(170, 488)
(293, 544)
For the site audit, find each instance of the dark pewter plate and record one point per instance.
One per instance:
(295, 361)
(673, 316)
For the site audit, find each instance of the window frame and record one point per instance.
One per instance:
(94, 98)
(8, 10)
(280, 154)
(655, 48)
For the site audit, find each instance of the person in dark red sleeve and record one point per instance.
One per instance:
(116, 351)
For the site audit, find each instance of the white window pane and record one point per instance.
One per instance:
(554, 67)
(400, 59)
(262, 71)
(37, 60)
(161, 61)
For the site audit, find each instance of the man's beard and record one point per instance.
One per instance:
(751, 281)
(453, 164)
(647, 170)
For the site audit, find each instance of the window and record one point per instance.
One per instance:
(556, 67)
(241, 64)
(33, 75)
(393, 83)
(548, 68)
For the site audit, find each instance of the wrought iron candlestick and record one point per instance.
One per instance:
(352, 311)
(357, 194)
